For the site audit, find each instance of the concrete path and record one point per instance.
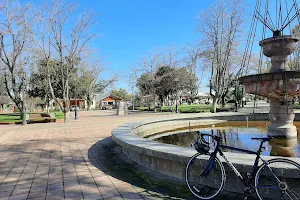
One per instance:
(78, 160)
(260, 106)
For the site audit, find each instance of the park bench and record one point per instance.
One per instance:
(42, 117)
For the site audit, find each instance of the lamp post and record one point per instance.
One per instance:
(176, 85)
(132, 99)
(23, 78)
(237, 90)
(76, 111)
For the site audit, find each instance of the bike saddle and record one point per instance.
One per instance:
(263, 139)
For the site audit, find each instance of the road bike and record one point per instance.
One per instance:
(278, 178)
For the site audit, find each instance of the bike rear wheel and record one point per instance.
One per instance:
(278, 179)
(204, 179)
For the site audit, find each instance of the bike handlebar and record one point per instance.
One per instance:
(206, 134)
(201, 137)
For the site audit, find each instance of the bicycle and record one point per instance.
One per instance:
(278, 178)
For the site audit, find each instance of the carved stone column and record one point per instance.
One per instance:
(281, 117)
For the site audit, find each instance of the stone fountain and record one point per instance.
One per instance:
(279, 86)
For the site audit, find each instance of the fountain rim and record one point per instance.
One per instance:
(283, 75)
(154, 155)
(276, 39)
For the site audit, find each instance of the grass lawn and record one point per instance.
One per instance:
(15, 117)
(9, 118)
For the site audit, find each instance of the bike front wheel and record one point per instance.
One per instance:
(278, 179)
(205, 178)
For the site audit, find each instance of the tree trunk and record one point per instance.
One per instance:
(47, 108)
(89, 106)
(176, 102)
(214, 104)
(223, 100)
(66, 107)
(66, 115)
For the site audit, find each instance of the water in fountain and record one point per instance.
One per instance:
(237, 134)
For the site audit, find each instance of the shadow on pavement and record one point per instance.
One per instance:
(108, 157)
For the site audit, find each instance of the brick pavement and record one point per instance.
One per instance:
(52, 161)
(77, 160)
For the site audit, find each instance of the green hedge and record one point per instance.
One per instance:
(59, 114)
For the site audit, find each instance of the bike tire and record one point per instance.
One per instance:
(209, 186)
(285, 186)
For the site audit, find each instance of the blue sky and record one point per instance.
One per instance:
(131, 28)
(128, 29)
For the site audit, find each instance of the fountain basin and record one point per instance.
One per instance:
(171, 160)
(273, 85)
(278, 46)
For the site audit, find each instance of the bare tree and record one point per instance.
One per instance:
(170, 57)
(15, 35)
(296, 33)
(194, 52)
(221, 26)
(88, 84)
(148, 66)
(65, 42)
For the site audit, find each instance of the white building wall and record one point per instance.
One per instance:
(93, 106)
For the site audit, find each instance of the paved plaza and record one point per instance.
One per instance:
(78, 160)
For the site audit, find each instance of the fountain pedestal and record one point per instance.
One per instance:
(281, 116)
(283, 147)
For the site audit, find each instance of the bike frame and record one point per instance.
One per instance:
(250, 178)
